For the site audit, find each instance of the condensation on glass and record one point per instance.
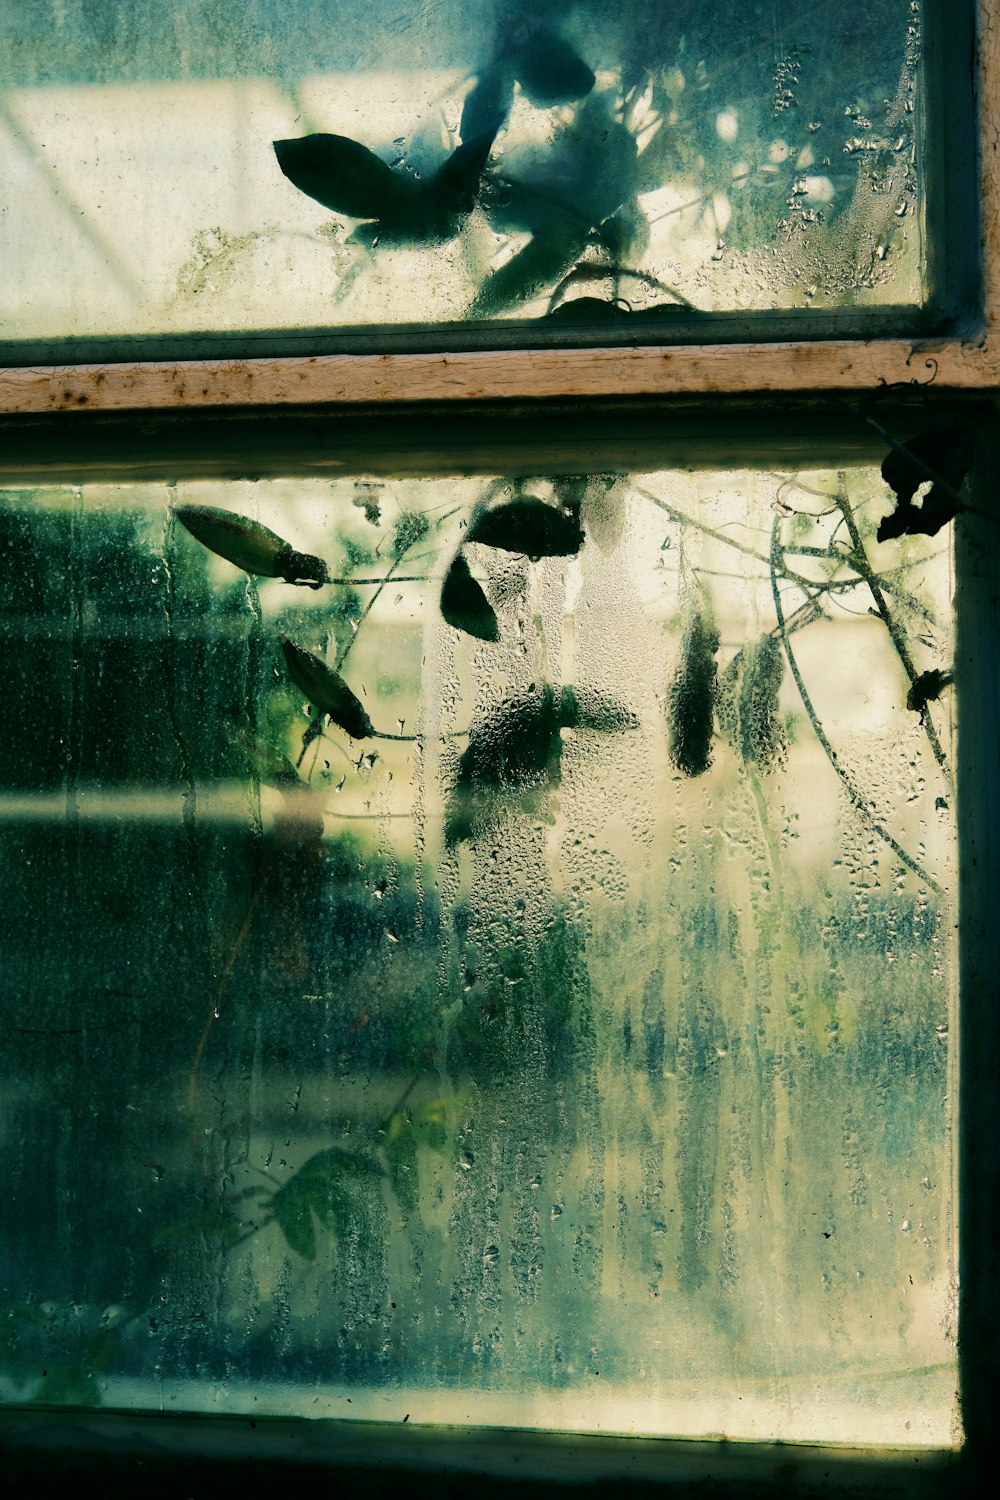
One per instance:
(555, 1031)
(455, 163)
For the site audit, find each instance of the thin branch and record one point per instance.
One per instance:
(884, 579)
(686, 520)
(855, 795)
(728, 541)
(397, 578)
(859, 560)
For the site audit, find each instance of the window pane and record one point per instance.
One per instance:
(560, 1038)
(457, 163)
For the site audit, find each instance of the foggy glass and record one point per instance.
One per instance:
(555, 1032)
(455, 163)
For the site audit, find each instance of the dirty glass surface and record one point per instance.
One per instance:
(455, 163)
(547, 1027)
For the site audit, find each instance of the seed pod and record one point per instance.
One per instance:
(465, 606)
(327, 691)
(250, 546)
(691, 700)
(748, 703)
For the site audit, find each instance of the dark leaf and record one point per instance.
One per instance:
(939, 453)
(587, 708)
(517, 743)
(599, 160)
(530, 527)
(517, 748)
(291, 1209)
(327, 691)
(589, 310)
(345, 176)
(691, 700)
(323, 1188)
(216, 1222)
(334, 1163)
(250, 546)
(514, 757)
(465, 606)
(928, 687)
(615, 271)
(549, 71)
(598, 310)
(748, 703)
(665, 312)
(625, 233)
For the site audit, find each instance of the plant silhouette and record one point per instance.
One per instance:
(564, 134)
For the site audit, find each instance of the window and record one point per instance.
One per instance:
(548, 1028)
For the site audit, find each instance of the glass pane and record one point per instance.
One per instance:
(452, 162)
(552, 1031)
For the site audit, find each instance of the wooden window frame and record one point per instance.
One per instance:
(51, 421)
(967, 360)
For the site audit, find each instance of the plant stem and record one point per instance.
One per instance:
(859, 802)
(728, 541)
(859, 560)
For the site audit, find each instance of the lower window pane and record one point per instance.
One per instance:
(554, 1032)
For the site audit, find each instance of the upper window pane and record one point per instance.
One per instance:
(458, 163)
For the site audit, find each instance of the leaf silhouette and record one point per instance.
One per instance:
(589, 310)
(322, 1189)
(454, 188)
(549, 71)
(748, 703)
(518, 750)
(250, 546)
(596, 310)
(691, 699)
(290, 1208)
(519, 741)
(528, 526)
(327, 691)
(544, 258)
(465, 606)
(518, 746)
(587, 708)
(346, 177)
(948, 451)
(614, 270)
